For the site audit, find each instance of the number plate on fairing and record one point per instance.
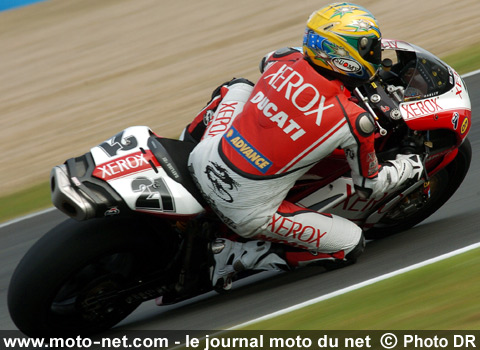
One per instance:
(131, 169)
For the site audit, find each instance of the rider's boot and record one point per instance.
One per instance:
(233, 257)
(330, 261)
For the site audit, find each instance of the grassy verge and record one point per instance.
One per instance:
(466, 60)
(25, 201)
(37, 197)
(441, 296)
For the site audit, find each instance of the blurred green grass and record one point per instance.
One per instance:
(37, 197)
(26, 201)
(441, 296)
(466, 60)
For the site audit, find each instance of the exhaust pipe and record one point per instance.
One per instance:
(66, 197)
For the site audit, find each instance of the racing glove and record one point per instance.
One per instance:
(393, 173)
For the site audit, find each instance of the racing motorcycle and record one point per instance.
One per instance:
(139, 227)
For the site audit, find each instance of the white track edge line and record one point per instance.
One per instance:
(357, 286)
(26, 217)
(469, 74)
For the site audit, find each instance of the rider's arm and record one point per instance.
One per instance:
(370, 178)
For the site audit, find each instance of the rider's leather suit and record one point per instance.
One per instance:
(268, 138)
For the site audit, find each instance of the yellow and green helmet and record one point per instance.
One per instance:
(344, 38)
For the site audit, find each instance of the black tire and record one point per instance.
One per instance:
(443, 185)
(75, 260)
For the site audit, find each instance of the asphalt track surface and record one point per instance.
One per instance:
(454, 226)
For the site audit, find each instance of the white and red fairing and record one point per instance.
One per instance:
(130, 168)
(450, 109)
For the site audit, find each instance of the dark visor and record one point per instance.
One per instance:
(371, 50)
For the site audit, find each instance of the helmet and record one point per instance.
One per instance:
(344, 38)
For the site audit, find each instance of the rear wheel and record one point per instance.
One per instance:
(413, 210)
(54, 290)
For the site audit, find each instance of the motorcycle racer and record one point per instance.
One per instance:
(257, 141)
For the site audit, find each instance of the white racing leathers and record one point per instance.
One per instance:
(279, 131)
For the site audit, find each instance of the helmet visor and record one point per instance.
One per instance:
(370, 49)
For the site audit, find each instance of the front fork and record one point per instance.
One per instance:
(193, 277)
(426, 184)
(419, 143)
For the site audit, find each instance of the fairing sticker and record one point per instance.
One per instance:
(247, 151)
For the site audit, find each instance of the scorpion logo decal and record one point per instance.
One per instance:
(221, 181)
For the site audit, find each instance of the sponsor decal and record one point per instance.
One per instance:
(431, 94)
(464, 126)
(350, 153)
(455, 118)
(112, 211)
(372, 163)
(421, 108)
(354, 203)
(283, 121)
(292, 230)
(222, 182)
(304, 96)
(388, 44)
(458, 85)
(207, 117)
(127, 165)
(347, 65)
(247, 151)
(384, 109)
(222, 120)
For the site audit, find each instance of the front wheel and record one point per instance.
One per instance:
(443, 185)
(50, 289)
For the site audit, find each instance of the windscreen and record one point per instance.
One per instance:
(425, 76)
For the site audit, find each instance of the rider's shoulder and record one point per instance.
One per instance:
(278, 55)
(285, 51)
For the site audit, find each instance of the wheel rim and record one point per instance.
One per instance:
(414, 204)
(73, 305)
